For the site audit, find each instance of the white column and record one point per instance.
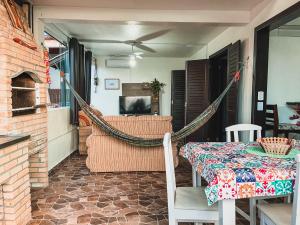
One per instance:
(38, 30)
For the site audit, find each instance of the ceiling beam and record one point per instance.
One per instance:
(57, 14)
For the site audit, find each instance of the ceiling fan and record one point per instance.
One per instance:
(137, 55)
(138, 43)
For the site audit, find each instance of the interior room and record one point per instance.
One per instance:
(173, 43)
(282, 90)
(149, 112)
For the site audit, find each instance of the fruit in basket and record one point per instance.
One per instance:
(276, 145)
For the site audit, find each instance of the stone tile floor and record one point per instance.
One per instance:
(77, 196)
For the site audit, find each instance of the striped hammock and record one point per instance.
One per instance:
(197, 123)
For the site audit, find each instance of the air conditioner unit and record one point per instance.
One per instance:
(117, 63)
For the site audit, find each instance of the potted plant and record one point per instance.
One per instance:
(156, 87)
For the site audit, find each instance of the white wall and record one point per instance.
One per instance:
(260, 14)
(62, 137)
(107, 101)
(284, 74)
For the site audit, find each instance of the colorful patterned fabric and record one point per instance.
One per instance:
(288, 126)
(233, 173)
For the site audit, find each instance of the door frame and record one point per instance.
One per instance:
(261, 57)
(219, 52)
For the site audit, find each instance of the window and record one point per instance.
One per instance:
(59, 94)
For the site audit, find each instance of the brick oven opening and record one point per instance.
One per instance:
(25, 93)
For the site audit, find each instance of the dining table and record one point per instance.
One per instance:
(235, 170)
(295, 106)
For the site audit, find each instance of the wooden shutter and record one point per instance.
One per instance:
(196, 95)
(231, 108)
(178, 99)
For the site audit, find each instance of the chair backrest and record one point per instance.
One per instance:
(296, 200)
(236, 129)
(170, 171)
(272, 119)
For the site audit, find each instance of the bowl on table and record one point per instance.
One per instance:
(276, 145)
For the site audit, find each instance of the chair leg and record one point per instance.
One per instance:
(194, 177)
(172, 221)
(198, 179)
(288, 199)
(259, 213)
(252, 203)
(262, 220)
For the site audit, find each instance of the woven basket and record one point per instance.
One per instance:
(276, 145)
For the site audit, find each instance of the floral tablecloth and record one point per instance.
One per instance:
(233, 173)
(287, 126)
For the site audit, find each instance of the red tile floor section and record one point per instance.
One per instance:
(77, 196)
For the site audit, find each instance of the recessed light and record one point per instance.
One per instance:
(132, 62)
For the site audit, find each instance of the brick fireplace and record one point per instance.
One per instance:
(22, 88)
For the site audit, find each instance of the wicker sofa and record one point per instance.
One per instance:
(85, 130)
(107, 154)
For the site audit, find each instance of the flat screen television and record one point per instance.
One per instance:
(135, 105)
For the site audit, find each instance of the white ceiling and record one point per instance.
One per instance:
(156, 4)
(183, 39)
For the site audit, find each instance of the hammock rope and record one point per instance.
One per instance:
(197, 123)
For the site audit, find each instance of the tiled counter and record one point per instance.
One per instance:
(15, 204)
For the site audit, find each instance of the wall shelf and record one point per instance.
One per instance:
(24, 109)
(24, 88)
(24, 94)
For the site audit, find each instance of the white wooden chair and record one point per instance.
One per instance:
(252, 129)
(236, 129)
(185, 204)
(283, 214)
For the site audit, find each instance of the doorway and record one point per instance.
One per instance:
(217, 83)
(223, 65)
(264, 40)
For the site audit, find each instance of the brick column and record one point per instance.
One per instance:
(15, 203)
(14, 59)
(38, 168)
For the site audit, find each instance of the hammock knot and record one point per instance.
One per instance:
(237, 76)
